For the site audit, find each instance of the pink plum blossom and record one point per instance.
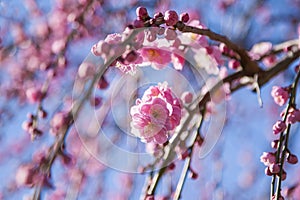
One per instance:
(268, 158)
(158, 57)
(156, 114)
(280, 95)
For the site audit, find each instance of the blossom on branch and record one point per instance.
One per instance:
(280, 95)
(156, 114)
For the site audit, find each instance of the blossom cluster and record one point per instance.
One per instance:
(158, 44)
(156, 114)
(128, 58)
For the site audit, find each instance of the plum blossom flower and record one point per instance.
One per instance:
(156, 114)
(280, 95)
(260, 49)
(268, 158)
(158, 57)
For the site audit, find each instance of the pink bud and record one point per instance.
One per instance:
(102, 83)
(96, 101)
(187, 97)
(66, 159)
(193, 175)
(223, 48)
(42, 114)
(274, 144)
(171, 166)
(158, 15)
(268, 172)
(59, 120)
(33, 95)
(26, 125)
(274, 168)
(131, 56)
(184, 155)
(292, 159)
(279, 127)
(184, 17)
(142, 12)
(283, 175)
(234, 64)
(25, 175)
(269, 60)
(171, 17)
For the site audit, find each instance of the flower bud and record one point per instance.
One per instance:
(171, 17)
(142, 12)
(184, 17)
(279, 127)
(187, 97)
(34, 95)
(292, 159)
(274, 168)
